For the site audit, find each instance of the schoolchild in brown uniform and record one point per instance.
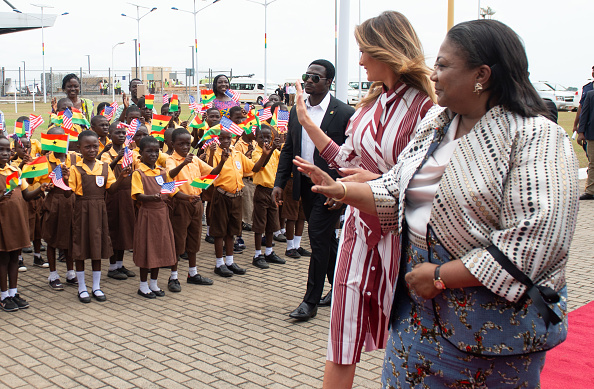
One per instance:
(120, 206)
(154, 244)
(212, 118)
(90, 179)
(100, 125)
(14, 229)
(226, 201)
(186, 218)
(57, 213)
(266, 216)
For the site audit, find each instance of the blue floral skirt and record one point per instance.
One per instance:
(418, 357)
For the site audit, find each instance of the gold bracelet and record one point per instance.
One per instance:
(345, 192)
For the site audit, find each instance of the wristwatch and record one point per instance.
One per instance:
(437, 281)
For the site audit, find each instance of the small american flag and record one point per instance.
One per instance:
(67, 119)
(34, 122)
(169, 187)
(264, 114)
(194, 106)
(122, 125)
(230, 126)
(282, 119)
(17, 139)
(264, 100)
(57, 180)
(232, 94)
(165, 98)
(132, 128)
(127, 158)
(108, 112)
(211, 141)
(205, 107)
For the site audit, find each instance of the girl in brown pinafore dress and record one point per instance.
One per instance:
(90, 180)
(154, 244)
(14, 229)
(121, 215)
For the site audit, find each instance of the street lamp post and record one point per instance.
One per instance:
(25, 76)
(112, 70)
(195, 63)
(137, 18)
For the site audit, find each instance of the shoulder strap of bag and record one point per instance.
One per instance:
(540, 295)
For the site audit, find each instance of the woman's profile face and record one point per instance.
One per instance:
(454, 81)
(72, 88)
(376, 70)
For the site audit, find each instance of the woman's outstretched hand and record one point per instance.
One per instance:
(304, 118)
(324, 184)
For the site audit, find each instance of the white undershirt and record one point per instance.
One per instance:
(423, 186)
(316, 113)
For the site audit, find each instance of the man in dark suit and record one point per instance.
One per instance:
(332, 116)
(586, 133)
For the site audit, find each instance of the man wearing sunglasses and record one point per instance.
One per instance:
(332, 116)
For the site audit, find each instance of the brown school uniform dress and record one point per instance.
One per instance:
(14, 227)
(34, 213)
(121, 215)
(57, 213)
(153, 236)
(90, 232)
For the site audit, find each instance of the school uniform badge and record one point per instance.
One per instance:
(238, 165)
(159, 180)
(100, 181)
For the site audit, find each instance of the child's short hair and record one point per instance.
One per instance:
(132, 108)
(56, 130)
(275, 106)
(96, 118)
(113, 126)
(264, 126)
(211, 110)
(22, 118)
(87, 134)
(165, 108)
(178, 132)
(147, 141)
(101, 107)
(234, 109)
(63, 99)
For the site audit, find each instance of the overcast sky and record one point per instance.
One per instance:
(557, 35)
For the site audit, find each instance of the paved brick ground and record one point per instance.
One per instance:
(235, 333)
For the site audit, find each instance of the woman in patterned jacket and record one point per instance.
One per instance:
(484, 199)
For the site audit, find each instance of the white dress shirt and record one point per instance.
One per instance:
(316, 113)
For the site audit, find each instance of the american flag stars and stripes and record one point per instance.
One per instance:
(17, 139)
(282, 118)
(228, 125)
(264, 100)
(232, 94)
(67, 119)
(127, 158)
(210, 141)
(34, 122)
(165, 98)
(194, 106)
(264, 114)
(169, 187)
(57, 180)
(132, 128)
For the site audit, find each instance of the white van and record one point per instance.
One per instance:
(251, 89)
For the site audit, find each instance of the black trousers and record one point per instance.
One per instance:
(321, 224)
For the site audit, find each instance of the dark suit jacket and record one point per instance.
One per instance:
(334, 124)
(587, 116)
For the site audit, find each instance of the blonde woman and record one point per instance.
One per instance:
(384, 123)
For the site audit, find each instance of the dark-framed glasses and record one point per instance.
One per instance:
(314, 77)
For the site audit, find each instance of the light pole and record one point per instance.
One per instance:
(195, 63)
(137, 18)
(135, 56)
(25, 77)
(112, 70)
(89, 62)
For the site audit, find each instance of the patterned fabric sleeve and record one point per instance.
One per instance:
(345, 155)
(535, 222)
(386, 202)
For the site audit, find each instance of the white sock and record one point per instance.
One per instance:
(82, 287)
(283, 231)
(258, 253)
(277, 233)
(268, 251)
(3, 295)
(144, 287)
(53, 275)
(297, 241)
(113, 266)
(153, 285)
(192, 271)
(207, 230)
(229, 260)
(38, 255)
(290, 244)
(12, 292)
(119, 264)
(220, 262)
(20, 257)
(173, 275)
(70, 274)
(97, 282)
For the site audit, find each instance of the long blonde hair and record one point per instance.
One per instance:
(391, 39)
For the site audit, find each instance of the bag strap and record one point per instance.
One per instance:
(540, 295)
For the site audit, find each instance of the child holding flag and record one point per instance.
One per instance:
(89, 180)
(14, 231)
(120, 206)
(100, 125)
(154, 244)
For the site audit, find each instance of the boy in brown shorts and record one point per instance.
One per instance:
(293, 212)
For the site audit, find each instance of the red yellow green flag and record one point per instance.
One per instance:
(20, 128)
(212, 132)
(174, 104)
(55, 142)
(207, 95)
(248, 124)
(79, 118)
(149, 101)
(36, 168)
(72, 133)
(203, 182)
(56, 118)
(273, 119)
(198, 123)
(12, 181)
(159, 122)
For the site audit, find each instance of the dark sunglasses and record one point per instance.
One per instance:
(314, 77)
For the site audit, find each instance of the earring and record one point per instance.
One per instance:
(478, 87)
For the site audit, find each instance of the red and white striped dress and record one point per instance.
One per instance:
(367, 264)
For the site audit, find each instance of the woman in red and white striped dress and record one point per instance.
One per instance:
(384, 123)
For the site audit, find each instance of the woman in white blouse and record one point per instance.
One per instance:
(484, 199)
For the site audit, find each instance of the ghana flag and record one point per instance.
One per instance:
(12, 181)
(203, 182)
(207, 95)
(248, 124)
(213, 132)
(36, 168)
(198, 124)
(72, 133)
(78, 118)
(149, 101)
(54, 142)
(158, 124)
(21, 128)
(56, 118)
(174, 104)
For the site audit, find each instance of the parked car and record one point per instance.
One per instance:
(251, 89)
(365, 85)
(352, 94)
(564, 99)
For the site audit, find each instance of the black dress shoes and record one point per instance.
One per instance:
(326, 301)
(304, 312)
(586, 196)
